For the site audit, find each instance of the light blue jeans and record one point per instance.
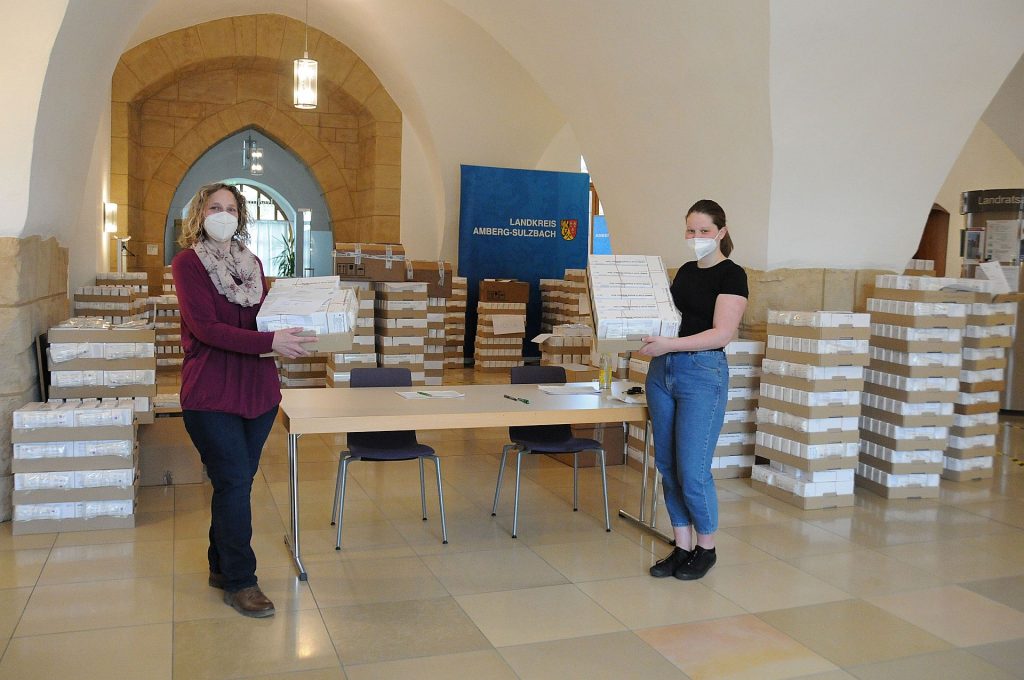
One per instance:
(686, 396)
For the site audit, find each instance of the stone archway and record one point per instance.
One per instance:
(175, 96)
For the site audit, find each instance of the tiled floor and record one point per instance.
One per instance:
(900, 589)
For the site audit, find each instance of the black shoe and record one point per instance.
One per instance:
(667, 566)
(701, 560)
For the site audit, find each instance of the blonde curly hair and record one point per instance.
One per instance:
(192, 229)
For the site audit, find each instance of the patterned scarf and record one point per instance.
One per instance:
(235, 274)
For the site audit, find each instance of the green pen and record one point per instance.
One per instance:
(424, 394)
(509, 396)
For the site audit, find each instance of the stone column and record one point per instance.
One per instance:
(33, 297)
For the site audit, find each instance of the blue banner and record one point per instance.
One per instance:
(602, 244)
(520, 224)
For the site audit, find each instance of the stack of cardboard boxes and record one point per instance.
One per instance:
(734, 452)
(807, 416)
(565, 344)
(455, 324)
(631, 300)
(167, 319)
(75, 466)
(972, 437)
(401, 326)
(920, 268)
(363, 353)
(501, 325)
(911, 385)
(92, 359)
(437, 276)
(369, 262)
(565, 301)
(116, 298)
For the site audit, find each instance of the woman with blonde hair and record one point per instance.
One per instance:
(229, 392)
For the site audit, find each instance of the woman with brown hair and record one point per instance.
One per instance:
(229, 393)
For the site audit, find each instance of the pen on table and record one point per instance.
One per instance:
(424, 394)
(509, 396)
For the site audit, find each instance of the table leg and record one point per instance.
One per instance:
(293, 495)
(640, 520)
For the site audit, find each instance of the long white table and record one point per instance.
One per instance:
(375, 409)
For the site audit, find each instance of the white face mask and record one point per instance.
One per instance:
(221, 226)
(702, 247)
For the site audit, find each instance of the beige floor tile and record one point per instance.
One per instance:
(8, 541)
(747, 511)
(762, 586)
(12, 604)
(829, 675)
(646, 602)
(734, 648)
(492, 570)
(195, 599)
(20, 568)
(373, 580)
(78, 563)
(866, 572)
(1008, 546)
(316, 674)
(615, 655)
(560, 526)
(384, 631)
(953, 663)
(321, 469)
(484, 664)
(608, 556)
(285, 642)
(950, 561)
(853, 632)
(132, 652)
(1008, 655)
(730, 550)
(536, 615)
(149, 526)
(1008, 591)
(97, 604)
(790, 539)
(956, 615)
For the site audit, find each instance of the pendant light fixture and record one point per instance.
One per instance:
(252, 156)
(304, 94)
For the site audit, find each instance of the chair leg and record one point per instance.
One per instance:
(515, 506)
(654, 499)
(423, 492)
(604, 489)
(337, 490)
(340, 508)
(576, 481)
(440, 500)
(501, 473)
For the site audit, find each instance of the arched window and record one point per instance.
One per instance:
(271, 233)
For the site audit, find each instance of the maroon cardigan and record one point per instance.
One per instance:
(222, 370)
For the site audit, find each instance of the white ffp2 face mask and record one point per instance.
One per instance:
(702, 247)
(220, 226)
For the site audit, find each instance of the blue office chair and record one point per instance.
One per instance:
(384, 446)
(547, 439)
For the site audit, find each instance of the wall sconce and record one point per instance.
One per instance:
(304, 92)
(110, 218)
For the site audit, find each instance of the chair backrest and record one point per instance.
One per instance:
(381, 377)
(536, 375)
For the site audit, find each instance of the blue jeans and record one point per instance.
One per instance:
(686, 396)
(230, 447)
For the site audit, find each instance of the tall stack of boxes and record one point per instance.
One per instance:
(167, 319)
(972, 437)
(401, 326)
(911, 385)
(807, 416)
(438, 279)
(363, 353)
(734, 452)
(75, 466)
(501, 325)
(630, 300)
(116, 298)
(565, 344)
(455, 323)
(92, 359)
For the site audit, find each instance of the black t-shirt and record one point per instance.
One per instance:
(695, 291)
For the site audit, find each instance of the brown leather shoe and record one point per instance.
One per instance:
(216, 580)
(250, 602)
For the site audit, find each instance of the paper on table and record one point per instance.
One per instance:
(432, 394)
(569, 389)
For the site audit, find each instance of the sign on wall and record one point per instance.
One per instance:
(520, 224)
